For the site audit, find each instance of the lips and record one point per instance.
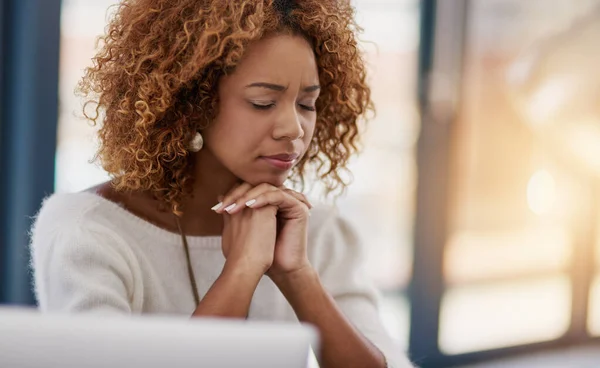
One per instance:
(282, 161)
(284, 156)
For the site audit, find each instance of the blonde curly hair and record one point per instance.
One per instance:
(154, 82)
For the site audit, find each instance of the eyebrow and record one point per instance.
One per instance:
(280, 88)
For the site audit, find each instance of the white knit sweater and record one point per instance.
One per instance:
(92, 255)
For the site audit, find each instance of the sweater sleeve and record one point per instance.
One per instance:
(341, 270)
(81, 266)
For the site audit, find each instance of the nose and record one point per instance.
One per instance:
(288, 125)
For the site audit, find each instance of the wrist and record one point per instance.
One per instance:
(243, 270)
(297, 279)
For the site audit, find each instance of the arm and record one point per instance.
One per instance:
(248, 245)
(339, 299)
(231, 293)
(342, 344)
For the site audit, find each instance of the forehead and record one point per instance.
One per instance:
(278, 59)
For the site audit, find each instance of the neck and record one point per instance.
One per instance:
(211, 180)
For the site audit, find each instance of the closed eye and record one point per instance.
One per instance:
(262, 106)
(307, 107)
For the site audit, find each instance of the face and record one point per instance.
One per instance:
(267, 112)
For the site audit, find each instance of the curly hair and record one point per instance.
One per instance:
(154, 80)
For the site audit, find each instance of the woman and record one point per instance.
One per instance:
(207, 108)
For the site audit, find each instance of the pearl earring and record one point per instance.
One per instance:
(196, 143)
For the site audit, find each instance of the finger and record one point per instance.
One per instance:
(221, 197)
(287, 204)
(243, 201)
(299, 196)
(230, 198)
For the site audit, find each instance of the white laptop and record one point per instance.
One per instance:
(29, 339)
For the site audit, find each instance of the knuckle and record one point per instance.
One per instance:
(269, 194)
(264, 186)
(242, 188)
(296, 194)
(305, 210)
(292, 194)
(229, 199)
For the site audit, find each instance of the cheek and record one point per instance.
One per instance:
(309, 131)
(235, 132)
(234, 135)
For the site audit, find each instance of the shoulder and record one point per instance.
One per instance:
(75, 217)
(332, 238)
(327, 221)
(321, 217)
(76, 230)
(68, 210)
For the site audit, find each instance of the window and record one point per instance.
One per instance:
(82, 21)
(518, 202)
(380, 201)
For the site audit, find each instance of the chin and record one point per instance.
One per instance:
(275, 180)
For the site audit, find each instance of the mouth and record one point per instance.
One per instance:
(283, 161)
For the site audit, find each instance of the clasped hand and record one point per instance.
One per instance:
(265, 228)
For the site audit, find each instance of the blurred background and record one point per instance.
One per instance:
(477, 194)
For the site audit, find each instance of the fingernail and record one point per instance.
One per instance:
(230, 207)
(250, 202)
(217, 206)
